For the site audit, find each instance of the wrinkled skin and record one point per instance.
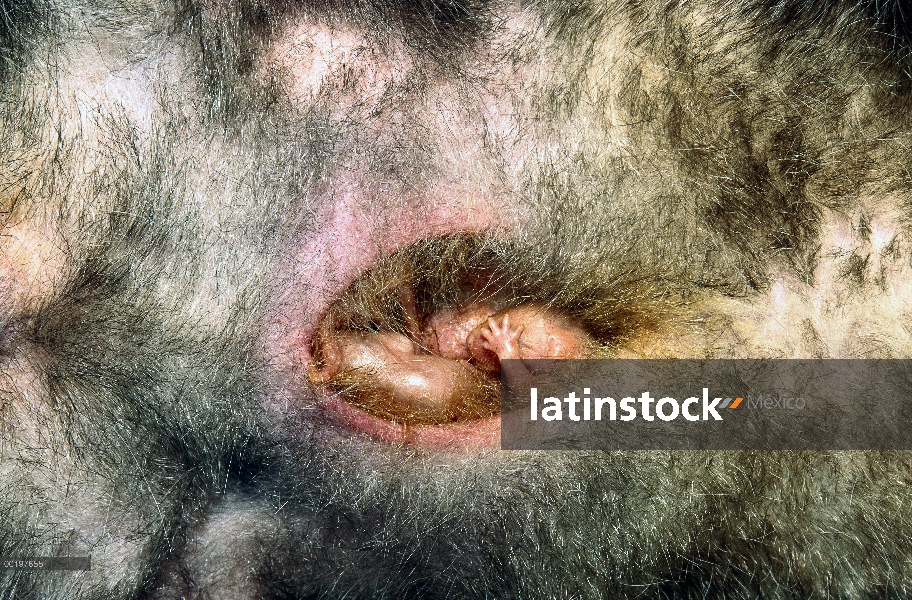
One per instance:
(187, 189)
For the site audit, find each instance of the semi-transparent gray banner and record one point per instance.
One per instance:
(707, 405)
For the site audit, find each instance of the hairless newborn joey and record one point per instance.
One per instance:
(446, 366)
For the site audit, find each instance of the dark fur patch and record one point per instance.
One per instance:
(22, 23)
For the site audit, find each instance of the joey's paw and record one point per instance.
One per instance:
(501, 339)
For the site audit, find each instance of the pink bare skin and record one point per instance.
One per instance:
(527, 331)
(445, 332)
(535, 332)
